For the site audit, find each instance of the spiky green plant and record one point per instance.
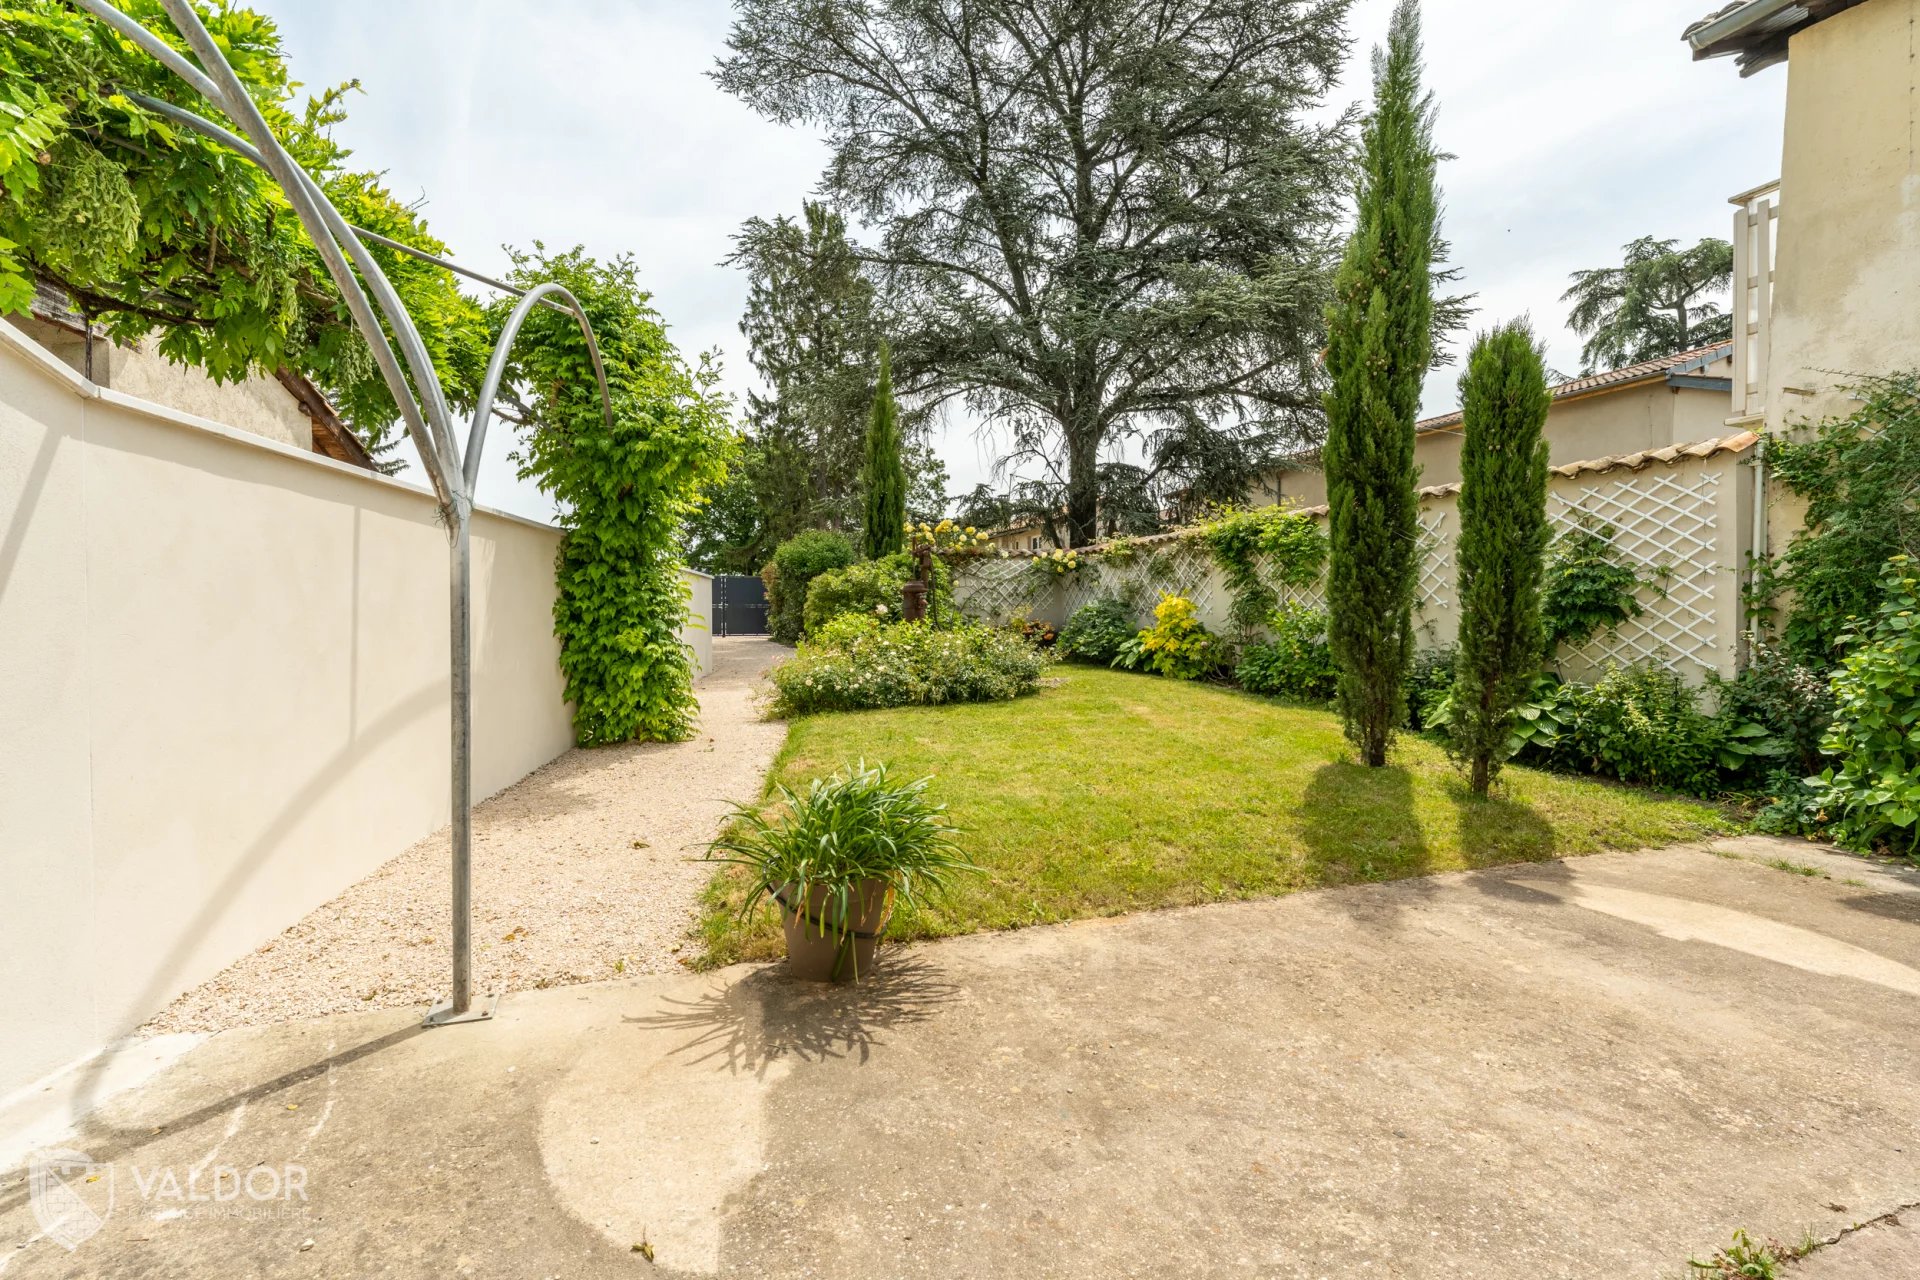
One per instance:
(855, 826)
(1379, 346)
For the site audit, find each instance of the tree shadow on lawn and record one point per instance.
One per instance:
(745, 1025)
(1497, 829)
(1360, 827)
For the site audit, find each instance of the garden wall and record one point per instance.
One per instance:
(224, 663)
(1682, 517)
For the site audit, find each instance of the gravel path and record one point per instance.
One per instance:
(580, 872)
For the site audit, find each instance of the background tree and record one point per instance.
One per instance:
(1379, 346)
(812, 336)
(983, 507)
(883, 525)
(1093, 218)
(1502, 545)
(1652, 304)
(926, 473)
(723, 532)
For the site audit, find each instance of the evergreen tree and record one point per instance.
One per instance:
(1502, 545)
(1093, 219)
(885, 477)
(1379, 346)
(1653, 304)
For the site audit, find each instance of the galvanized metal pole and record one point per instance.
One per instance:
(425, 412)
(458, 1007)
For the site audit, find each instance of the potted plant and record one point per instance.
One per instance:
(837, 859)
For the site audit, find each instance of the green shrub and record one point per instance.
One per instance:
(1643, 724)
(796, 563)
(1871, 797)
(844, 631)
(1096, 631)
(871, 588)
(1794, 702)
(853, 666)
(1177, 645)
(1297, 662)
(1429, 680)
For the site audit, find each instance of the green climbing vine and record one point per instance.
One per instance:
(152, 230)
(1261, 550)
(622, 491)
(1587, 587)
(1859, 475)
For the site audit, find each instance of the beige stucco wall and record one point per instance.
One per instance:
(1846, 295)
(257, 404)
(225, 672)
(1645, 416)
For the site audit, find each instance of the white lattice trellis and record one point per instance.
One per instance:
(1434, 593)
(1672, 524)
(994, 590)
(1665, 525)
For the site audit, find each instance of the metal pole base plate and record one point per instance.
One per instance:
(442, 1014)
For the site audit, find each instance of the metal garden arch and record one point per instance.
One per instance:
(452, 470)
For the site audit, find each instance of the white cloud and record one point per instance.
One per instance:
(1577, 128)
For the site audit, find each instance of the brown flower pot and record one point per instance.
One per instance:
(819, 947)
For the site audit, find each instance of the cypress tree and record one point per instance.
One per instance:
(884, 475)
(1379, 346)
(1502, 545)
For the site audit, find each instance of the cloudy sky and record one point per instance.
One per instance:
(1576, 128)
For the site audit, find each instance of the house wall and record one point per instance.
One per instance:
(1846, 297)
(256, 404)
(1650, 415)
(225, 669)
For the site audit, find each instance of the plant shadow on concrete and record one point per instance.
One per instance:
(744, 1026)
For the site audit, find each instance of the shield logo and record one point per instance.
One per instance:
(72, 1195)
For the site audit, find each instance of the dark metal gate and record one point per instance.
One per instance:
(739, 605)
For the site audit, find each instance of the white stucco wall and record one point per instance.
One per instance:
(224, 663)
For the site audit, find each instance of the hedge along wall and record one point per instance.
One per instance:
(1681, 517)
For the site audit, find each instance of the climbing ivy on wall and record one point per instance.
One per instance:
(1588, 586)
(1859, 475)
(1261, 550)
(623, 491)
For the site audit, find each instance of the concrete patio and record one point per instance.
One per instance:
(1589, 1068)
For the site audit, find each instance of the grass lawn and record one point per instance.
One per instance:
(1115, 792)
